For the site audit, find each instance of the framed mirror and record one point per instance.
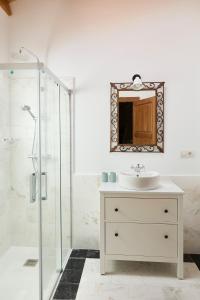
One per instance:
(137, 117)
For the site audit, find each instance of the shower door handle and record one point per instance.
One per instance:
(32, 188)
(44, 186)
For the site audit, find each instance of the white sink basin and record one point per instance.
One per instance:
(145, 180)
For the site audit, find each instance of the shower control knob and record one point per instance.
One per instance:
(116, 209)
(166, 211)
(166, 236)
(116, 234)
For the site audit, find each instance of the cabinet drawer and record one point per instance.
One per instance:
(141, 239)
(140, 209)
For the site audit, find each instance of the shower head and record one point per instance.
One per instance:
(22, 49)
(28, 109)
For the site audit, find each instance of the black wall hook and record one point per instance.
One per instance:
(135, 76)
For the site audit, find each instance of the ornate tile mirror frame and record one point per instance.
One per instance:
(115, 146)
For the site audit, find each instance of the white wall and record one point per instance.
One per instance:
(4, 147)
(102, 41)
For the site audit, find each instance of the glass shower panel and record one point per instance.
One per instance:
(65, 106)
(35, 224)
(19, 213)
(50, 183)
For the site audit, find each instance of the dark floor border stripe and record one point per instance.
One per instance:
(85, 253)
(71, 277)
(188, 258)
(196, 259)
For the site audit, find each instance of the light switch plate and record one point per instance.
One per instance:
(187, 154)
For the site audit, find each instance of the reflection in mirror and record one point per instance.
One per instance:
(137, 117)
(125, 122)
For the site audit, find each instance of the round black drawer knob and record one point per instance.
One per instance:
(166, 236)
(116, 209)
(116, 234)
(166, 211)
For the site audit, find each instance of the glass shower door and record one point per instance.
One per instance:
(35, 219)
(50, 183)
(19, 217)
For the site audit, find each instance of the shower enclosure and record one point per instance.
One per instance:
(35, 174)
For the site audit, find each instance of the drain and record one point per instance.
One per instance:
(30, 262)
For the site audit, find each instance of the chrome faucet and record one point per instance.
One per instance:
(138, 168)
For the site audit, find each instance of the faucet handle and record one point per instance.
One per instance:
(141, 166)
(138, 167)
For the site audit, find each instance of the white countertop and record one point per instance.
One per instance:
(166, 187)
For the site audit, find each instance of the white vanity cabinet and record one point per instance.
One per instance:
(141, 225)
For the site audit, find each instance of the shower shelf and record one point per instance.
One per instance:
(9, 140)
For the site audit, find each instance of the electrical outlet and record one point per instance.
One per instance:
(187, 154)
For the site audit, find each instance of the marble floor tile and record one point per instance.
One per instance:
(138, 281)
(127, 280)
(103, 291)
